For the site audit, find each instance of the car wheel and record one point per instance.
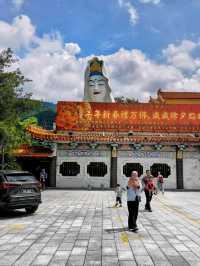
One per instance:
(32, 209)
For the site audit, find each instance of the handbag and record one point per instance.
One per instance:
(138, 198)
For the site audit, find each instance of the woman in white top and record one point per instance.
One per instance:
(133, 199)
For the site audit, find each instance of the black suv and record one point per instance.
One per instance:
(19, 190)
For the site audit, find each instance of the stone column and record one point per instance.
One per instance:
(52, 172)
(113, 166)
(179, 168)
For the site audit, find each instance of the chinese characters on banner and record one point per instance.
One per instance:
(126, 117)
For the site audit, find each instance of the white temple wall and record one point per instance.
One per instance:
(191, 166)
(83, 179)
(191, 170)
(147, 159)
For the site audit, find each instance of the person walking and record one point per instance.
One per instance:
(133, 199)
(149, 188)
(43, 178)
(160, 182)
(118, 192)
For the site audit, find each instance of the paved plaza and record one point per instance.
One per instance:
(74, 227)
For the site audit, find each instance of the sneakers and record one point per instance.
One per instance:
(148, 210)
(135, 229)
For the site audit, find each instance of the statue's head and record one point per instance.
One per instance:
(96, 84)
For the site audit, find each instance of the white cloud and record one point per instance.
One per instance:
(18, 3)
(133, 14)
(133, 74)
(72, 48)
(150, 1)
(17, 35)
(181, 55)
(57, 72)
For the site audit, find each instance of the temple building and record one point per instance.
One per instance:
(98, 142)
(175, 97)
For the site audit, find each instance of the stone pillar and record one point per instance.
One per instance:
(113, 166)
(179, 168)
(52, 172)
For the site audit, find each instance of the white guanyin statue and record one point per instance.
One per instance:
(96, 87)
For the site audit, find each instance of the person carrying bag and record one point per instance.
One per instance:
(133, 199)
(149, 189)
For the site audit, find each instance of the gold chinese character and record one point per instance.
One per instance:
(173, 115)
(192, 116)
(124, 114)
(143, 115)
(133, 115)
(156, 115)
(97, 114)
(106, 115)
(115, 114)
(198, 116)
(165, 115)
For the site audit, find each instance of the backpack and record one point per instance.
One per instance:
(160, 178)
(150, 185)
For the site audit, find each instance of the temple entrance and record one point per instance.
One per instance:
(34, 166)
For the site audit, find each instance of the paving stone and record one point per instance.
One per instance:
(110, 259)
(91, 262)
(144, 260)
(8, 260)
(42, 260)
(75, 261)
(125, 255)
(75, 227)
(78, 251)
(127, 263)
(56, 262)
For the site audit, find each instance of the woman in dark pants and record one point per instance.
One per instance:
(133, 199)
(149, 188)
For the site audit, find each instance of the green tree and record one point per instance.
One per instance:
(15, 104)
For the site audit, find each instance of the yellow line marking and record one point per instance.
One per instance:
(124, 238)
(135, 237)
(16, 226)
(119, 219)
(180, 212)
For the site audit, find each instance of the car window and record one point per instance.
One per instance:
(20, 178)
(1, 178)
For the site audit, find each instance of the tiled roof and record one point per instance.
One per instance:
(32, 151)
(88, 137)
(179, 95)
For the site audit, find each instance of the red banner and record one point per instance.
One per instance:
(84, 116)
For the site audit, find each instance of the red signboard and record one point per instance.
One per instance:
(146, 117)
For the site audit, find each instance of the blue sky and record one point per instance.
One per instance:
(164, 33)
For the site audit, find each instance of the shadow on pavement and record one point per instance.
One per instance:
(9, 214)
(116, 230)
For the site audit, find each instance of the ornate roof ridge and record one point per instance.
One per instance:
(42, 134)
